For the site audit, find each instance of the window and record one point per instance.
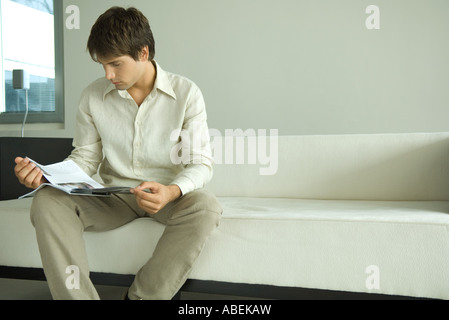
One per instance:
(31, 39)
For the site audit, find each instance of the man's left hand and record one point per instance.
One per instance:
(153, 197)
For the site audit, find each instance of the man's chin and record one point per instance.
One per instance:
(121, 87)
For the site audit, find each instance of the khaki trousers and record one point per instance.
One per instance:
(60, 220)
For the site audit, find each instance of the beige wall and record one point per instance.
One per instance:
(300, 66)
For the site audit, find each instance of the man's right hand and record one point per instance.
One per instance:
(28, 174)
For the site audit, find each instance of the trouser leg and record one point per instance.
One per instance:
(59, 221)
(189, 222)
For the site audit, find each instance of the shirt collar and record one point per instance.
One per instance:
(161, 83)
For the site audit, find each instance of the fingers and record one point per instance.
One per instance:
(149, 206)
(27, 173)
(148, 197)
(33, 180)
(149, 202)
(148, 187)
(20, 163)
(21, 169)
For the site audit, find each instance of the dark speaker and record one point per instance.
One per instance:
(43, 150)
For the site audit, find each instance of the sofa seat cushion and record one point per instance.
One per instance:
(334, 245)
(389, 247)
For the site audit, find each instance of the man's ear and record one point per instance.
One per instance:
(144, 54)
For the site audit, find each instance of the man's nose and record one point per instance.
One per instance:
(109, 74)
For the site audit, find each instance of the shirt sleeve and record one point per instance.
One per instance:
(195, 146)
(87, 142)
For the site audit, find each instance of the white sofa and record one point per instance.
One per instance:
(343, 213)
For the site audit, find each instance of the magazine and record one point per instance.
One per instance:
(70, 178)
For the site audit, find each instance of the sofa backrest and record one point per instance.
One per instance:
(342, 167)
(346, 167)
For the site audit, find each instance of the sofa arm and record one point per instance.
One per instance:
(43, 150)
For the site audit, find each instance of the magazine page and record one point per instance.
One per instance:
(68, 175)
(65, 176)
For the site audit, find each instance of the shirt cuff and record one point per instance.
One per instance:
(185, 185)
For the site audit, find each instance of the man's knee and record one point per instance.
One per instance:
(203, 199)
(200, 205)
(44, 201)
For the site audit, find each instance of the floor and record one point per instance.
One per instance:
(11, 289)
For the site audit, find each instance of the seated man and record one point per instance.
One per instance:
(125, 127)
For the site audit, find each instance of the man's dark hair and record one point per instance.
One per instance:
(119, 32)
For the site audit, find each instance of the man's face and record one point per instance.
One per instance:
(122, 71)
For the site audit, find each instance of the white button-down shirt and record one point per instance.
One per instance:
(165, 140)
